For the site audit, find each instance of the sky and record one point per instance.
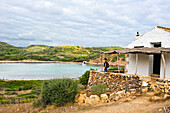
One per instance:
(79, 22)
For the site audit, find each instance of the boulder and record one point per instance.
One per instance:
(93, 99)
(81, 98)
(88, 100)
(112, 96)
(104, 98)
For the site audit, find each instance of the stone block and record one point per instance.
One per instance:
(104, 98)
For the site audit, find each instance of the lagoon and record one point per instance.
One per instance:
(42, 71)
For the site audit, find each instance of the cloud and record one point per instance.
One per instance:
(79, 22)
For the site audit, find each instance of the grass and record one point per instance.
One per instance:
(13, 87)
(18, 85)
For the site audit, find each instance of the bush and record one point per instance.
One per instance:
(85, 77)
(98, 89)
(37, 103)
(58, 92)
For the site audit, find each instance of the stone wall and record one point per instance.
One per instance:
(128, 82)
(116, 81)
(124, 87)
(162, 85)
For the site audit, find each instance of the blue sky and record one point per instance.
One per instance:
(79, 22)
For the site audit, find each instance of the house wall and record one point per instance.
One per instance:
(145, 64)
(142, 67)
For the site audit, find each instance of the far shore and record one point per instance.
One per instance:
(35, 61)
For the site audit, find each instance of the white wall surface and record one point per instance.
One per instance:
(154, 35)
(142, 67)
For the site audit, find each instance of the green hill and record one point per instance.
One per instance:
(47, 53)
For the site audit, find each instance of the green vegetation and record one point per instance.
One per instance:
(19, 91)
(18, 85)
(58, 92)
(98, 89)
(47, 53)
(115, 68)
(85, 77)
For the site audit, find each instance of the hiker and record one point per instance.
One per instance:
(106, 65)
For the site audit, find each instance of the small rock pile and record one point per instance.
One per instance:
(103, 98)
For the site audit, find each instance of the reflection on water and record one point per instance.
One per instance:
(41, 71)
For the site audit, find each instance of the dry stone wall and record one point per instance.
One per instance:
(116, 81)
(162, 85)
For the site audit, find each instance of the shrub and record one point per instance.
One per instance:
(58, 92)
(37, 103)
(98, 89)
(85, 77)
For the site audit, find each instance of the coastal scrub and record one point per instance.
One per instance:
(57, 92)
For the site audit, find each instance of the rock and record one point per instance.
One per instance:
(88, 100)
(88, 93)
(128, 99)
(117, 97)
(144, 83)
(166, 96)
(127, 94)
(155, 98)
(81, 98)
(104, 98)
(167, 90)
(133, 91)
(120, 92)
(160, 110)
(112, 96)
(76, 97)
(161, 86)
(133, 97)
(93, 99)
(108, 93)
(144, 90)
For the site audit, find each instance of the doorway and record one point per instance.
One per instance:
(157, 61)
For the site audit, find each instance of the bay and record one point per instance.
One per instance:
(42, 71)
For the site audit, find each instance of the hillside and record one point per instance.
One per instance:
(47, 53)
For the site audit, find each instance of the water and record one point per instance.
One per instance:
(42, 71)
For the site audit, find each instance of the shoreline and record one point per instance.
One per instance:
(32, 61)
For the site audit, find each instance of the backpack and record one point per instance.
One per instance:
(107, 64)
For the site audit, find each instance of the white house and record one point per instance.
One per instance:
(157, 61)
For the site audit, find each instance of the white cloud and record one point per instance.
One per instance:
(25, 34)
(79, 22)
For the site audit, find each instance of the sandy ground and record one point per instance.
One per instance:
(138, 105)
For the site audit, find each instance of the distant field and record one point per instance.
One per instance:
(47, 53)
(15, 91)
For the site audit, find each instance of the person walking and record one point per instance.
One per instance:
(106, 65)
